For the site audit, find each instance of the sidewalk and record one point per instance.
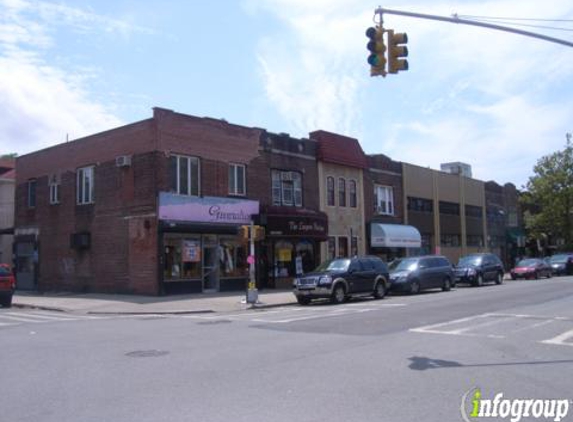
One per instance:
(97, 303)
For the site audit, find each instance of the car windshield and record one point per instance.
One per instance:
(527, 262)
(469, 260)
(558, 259)
(406, 264)
(339, 264)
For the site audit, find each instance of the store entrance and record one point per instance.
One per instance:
(210, 264)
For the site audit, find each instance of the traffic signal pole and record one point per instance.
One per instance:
(455, 19)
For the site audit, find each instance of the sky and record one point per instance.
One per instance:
(495, 100)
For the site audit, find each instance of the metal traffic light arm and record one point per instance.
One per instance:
(380, 11)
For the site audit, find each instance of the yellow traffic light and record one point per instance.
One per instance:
(377, 58)
(397, 50)
(244, 232)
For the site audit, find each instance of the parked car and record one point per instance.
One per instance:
(341, 278)
(479, 268)
(7, 285)
(561, 264)
(531, 268)
(414, 274)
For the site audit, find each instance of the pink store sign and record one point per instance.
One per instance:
(208, 209)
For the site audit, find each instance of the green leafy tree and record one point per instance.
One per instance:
(549, 197)
(11, 155)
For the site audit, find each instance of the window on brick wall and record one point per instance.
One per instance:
(54, 186)
(287, 188)
(384, 200)
(85, 185)
(184, 175)
(237, 181)
(32, 193)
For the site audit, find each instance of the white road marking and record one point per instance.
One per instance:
(561, 339)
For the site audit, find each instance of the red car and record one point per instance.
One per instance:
(7, 285)
(531, 268)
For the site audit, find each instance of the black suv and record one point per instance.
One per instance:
(478, 268)
(417, 273)
(340, 278)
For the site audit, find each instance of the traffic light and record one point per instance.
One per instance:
(244, 232)
(259, 233)
(377, 58)
(397, 50)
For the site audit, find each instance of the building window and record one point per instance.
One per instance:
(420, 204)
(85, 185)
(237, 179)
(449, 208)
(287, 188)
(352, 193)
(184, 175)
(331, 253)
(476, 212)
(32, 193)
(342, 246)
(54, 192)
(341, 192)
(474, 240)
(330, 191)
(384, 200)
(354, 246)
(452, 240)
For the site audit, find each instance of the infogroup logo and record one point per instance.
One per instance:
(474, 407)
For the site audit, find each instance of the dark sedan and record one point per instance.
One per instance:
(562, 264)
(531, 268)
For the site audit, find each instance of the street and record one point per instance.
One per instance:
(403, 358)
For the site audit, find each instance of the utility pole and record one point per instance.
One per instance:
(455, 19)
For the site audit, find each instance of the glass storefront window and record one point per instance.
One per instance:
(283, 259)
(182, 257)
(232, 258)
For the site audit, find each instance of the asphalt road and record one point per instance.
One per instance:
(403, 358)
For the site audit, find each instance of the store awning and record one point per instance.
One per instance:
(394, 236)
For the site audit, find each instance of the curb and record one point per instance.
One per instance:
(40, 307)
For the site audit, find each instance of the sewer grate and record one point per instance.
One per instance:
(146, 353)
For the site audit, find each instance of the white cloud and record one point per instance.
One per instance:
(43, 104)
(493, 99)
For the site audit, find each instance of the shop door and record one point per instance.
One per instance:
(210, 264)
(26, 259)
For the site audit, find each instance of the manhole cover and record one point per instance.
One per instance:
(147, 353)
(216, 321)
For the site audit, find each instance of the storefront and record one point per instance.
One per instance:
(292, 244)
(199, 245)
(391, 241)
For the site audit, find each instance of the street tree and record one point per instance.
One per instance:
(548, 200)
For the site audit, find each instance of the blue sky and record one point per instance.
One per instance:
(494, 100)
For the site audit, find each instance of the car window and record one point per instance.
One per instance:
(355, 266)
(339, 264)
(425, 263)
(470, 260)
(404, 264)
(367, 264)
(379, 265)
(443, 262)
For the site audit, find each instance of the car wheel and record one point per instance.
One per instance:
(379, 290)
(499, 278)
(535, 275)
(302, 300)
(6, 302)
(479, 281)
(414, 288)
(549, 275)
(447, 285)
(339, 294)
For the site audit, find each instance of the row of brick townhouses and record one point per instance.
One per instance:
(155, 207)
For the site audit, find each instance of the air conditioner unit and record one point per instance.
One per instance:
(123, 161)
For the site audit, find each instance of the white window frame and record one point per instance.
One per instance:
(54, 193)
(283, 182)
(85, 185)
(384, 199)
(236, 180)
(189, 176)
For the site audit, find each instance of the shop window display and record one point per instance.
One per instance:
(232, 259)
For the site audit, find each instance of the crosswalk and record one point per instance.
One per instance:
(288, 314)
(14, 317)
(544, 329)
